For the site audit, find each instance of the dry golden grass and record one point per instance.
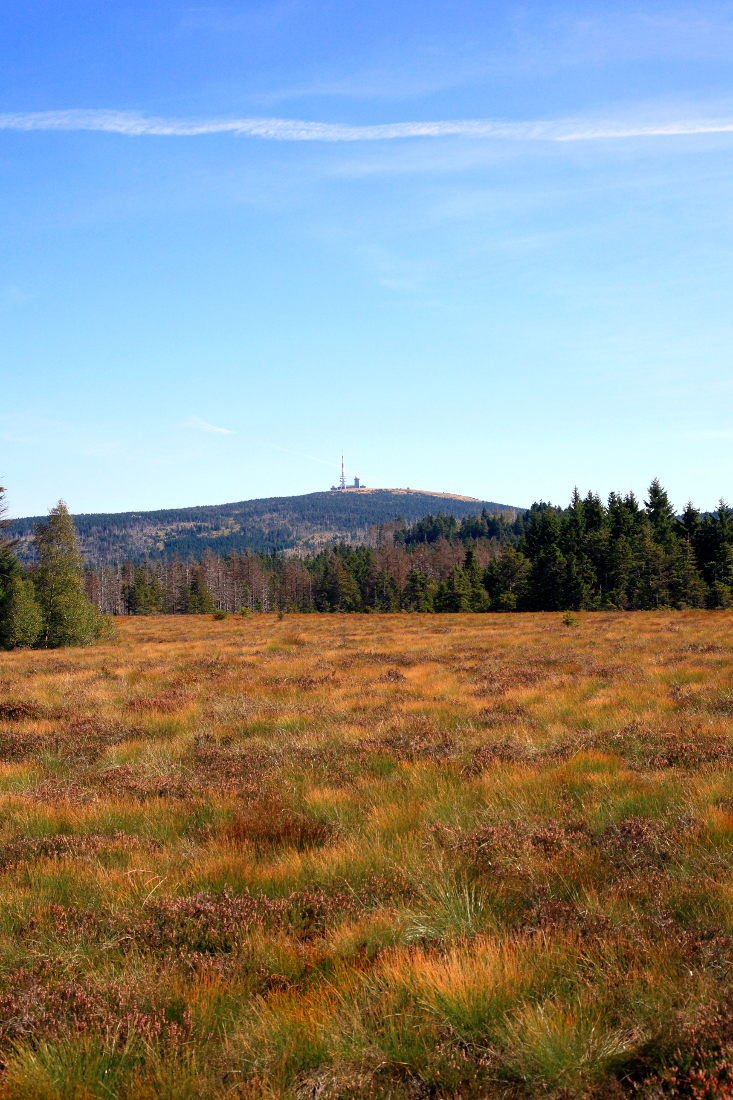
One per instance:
(365, 856)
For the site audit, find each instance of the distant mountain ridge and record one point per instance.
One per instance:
(295, 523)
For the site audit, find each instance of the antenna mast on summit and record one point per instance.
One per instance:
(343, 474)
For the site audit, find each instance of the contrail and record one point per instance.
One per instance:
(131, 124)
(205, 426)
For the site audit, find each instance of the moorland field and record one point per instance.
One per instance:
(336, 856)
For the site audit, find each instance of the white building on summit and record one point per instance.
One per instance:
(342, 486)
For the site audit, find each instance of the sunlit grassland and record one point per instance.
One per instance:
(358, 856)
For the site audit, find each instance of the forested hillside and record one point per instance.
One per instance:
(271, 524)
(624, 555)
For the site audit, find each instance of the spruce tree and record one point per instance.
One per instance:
(454, 594)
(548, 581)
(419, 591)
(479, 598)
(686, 586)
(506, 580)
(198, 598)
(387, 597)
(661, 515)
(68, 618)
(10, 572)
(144, 595)
(22, 621)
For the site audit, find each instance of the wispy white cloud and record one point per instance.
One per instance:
(131, 124)
(204, 426)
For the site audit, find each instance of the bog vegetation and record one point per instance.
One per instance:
(622, 555)
(370, 856)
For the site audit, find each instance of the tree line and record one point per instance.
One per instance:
(622, 554)
(46, 604)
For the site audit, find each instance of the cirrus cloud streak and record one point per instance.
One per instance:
(133, 124)
(204, 426)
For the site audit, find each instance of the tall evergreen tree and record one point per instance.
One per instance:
(661, 515)
(685, 585)
(22, 621)
(198, 598)
(507, 580)
(419, 592)
(454, 594)
(8, 561)
(479, 597)
(548, 581)
(67, 616)
(716, 538)
(144, 594)
(10, 573)
(690, 523)
(386, 596)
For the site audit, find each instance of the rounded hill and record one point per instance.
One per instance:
(270, 524)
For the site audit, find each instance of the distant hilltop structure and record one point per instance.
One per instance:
(358, 486)
(342, 487)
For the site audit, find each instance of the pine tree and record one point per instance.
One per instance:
(67, 616)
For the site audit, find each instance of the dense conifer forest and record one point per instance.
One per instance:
(624, 554)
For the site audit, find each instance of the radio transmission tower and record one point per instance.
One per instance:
(343, 474)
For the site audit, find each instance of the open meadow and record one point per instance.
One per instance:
(344, 856)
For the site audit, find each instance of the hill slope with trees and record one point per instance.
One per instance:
(271, 524)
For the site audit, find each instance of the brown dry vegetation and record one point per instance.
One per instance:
(370, 856)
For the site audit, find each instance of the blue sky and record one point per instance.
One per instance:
(484, 248)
